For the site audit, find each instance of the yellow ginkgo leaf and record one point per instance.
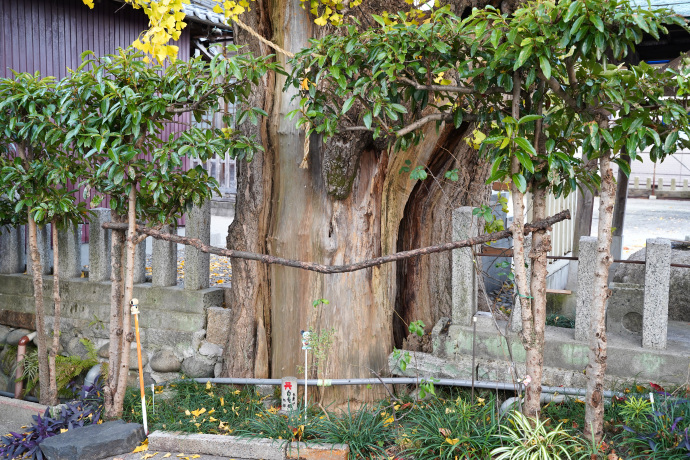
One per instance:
(453, 441)
(321, 20)
(167, 455)
(147, 456)
(208, 385)
(198, 412)
(222, 401)
(143, 447)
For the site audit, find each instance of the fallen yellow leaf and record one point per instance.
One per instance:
(144, 446)
(167, 455)
(452, 442)
(198, 412)
(222, 401)
(146, 456)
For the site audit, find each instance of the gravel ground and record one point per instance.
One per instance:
(221, 270)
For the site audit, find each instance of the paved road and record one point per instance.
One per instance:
(646, 218)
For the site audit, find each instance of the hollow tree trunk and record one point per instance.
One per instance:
(53, 393)
(37, 273)
(115, 323)
(596, 369)
(346, 206)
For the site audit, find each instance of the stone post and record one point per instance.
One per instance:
(164, 261)
(649, 183)
(140, 263)
(99, 246)
(69, 250)
(43, 237)
(516, 313)
(585, 281)
(657, 277)
(197, 264)
(11, 250)
(288, 394)
(637, 182)
(673, 185)
(464, 278)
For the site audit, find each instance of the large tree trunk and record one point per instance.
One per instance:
(596, 369)
(347, 205)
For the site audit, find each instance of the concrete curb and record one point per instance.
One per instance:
(243, 448)
(15, 413)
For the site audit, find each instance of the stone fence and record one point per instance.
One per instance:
(173, 319)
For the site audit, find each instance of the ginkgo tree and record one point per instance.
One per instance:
(118, 107)
(542, 83)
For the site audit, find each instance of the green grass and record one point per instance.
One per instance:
(448, 426)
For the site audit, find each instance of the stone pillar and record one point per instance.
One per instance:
(649, 183)
(196, 263)
(99, 246)
(585, 282)
(140, 263)
(11, 250)
(69, 250)
(464, 278)
(164, 261)
(657, 277)
(673, 185)
(288, 394)
(516, 313)
(43, 237)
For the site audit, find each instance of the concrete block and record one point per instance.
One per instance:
(45, 250)
(585, 282)
(516, 313)
(99, 246)
(11, 250)
(18, 319)
(212, 444)
(197, 264)
(164, 261)
(218, 325)
(464, 279)
(94, 441)
(656, 293)
(15, 413)
(69, 251)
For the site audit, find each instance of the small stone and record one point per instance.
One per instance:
(218, 325)
(197, 337)
(6, 364)
(104, 351)
(4, 331)
(13, 337)
(94, 441)
(210, 349)
(198, 367)
(163, 377)
(134, 361)
(218, 369)
(75, 347)
(165, 361)
(133, 379)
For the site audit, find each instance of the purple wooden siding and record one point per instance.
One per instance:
(49, 36)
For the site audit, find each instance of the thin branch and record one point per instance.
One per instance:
(194, 105)
(448, 88)
(321, 268)
(429, 118)
(556, 88)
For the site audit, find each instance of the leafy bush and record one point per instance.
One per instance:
(530, 439)
(453, 429)
(84, 411)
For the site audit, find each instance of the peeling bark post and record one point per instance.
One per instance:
(11, 250)
(164, 261)
(197, 263)
(585, 283)
(657, 279)
(69, 251)
(464, 273)
(99, 246)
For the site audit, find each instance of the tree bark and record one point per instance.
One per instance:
(126, 337)
(534, 363)
(596, 369)
(53, 393)
(115, 324)
(42, 340)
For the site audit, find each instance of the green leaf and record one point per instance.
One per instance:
(598, 23)
(545, 66)
(520, 182)
(348, 104)
(523, 56)
(528, 118)
(525, 145)
(367, 119)
(525, 161)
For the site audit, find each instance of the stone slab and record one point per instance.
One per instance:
(625, 309)
(585, 283)
(16, 413)
(197, 264)
(18, 319)
(218, 325)
(94, 441)
(11, 250)
(464, 279)
(164, 261)
(209, 444)
(317, 451)
(99, 245)
(69, 250)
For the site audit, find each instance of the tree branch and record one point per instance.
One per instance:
(429, 118)
(556, 88)
(321, 268)
(448, 88)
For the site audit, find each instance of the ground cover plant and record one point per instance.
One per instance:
(449, 425)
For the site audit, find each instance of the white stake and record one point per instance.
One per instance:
(153, 398)
(305, 346)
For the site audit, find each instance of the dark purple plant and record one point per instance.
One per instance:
(81, 412)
